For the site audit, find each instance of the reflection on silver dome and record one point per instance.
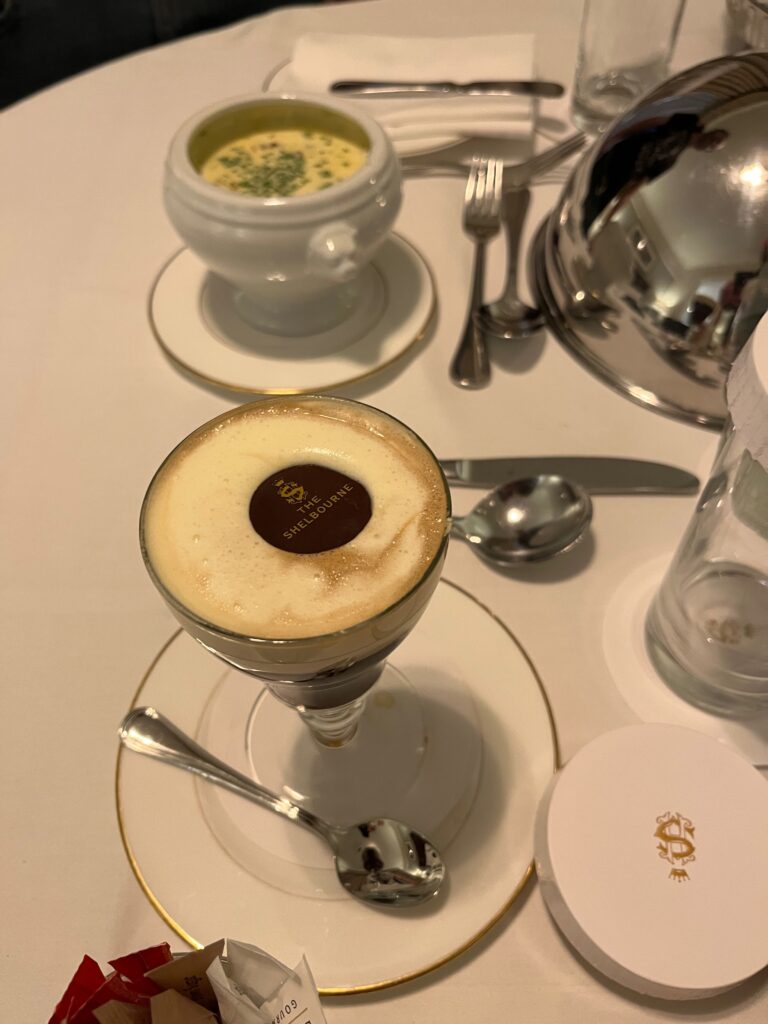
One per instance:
(653, 267)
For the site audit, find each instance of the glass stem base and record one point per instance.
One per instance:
(333, 727)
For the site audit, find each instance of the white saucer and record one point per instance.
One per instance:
(253, 880)
(194, 317)
(640, 685)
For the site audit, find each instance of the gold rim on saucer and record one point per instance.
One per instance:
(416, 332)
(461, 947)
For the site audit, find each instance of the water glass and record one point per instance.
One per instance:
(707, 629)
(624, 50)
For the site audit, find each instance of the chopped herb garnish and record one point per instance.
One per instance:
(282, 163)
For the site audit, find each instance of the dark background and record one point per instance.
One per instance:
(44, 41)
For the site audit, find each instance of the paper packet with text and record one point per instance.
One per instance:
(152, 986)
(254, 988)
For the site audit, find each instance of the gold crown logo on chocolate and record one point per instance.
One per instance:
(293, 493)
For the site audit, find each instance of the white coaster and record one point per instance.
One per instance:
(642, 687)
(634, 853)
(194, 317)
(202, 890)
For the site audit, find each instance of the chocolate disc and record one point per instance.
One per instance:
(308, 509)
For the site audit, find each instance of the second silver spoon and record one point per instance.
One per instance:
(378, 861)
(508, 317)
(526, 520)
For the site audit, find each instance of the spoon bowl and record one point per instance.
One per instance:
(509, 321)
(385, 861)
(527, 520)
(379, 861)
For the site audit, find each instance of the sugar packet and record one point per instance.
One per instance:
(253, 988)
(187, 974)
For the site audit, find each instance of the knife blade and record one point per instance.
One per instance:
(544, 90)
(597, 474)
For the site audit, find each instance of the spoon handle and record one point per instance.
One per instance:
(146, 731)
(515, 204)
(470, 367)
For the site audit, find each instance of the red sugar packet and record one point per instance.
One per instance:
(135, 965)
(85, 981)
(90, 988)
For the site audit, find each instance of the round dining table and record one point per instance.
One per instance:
(93, 404)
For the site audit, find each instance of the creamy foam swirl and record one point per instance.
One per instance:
(204, 549)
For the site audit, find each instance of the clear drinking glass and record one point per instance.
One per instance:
(624, 50)
(707, 629)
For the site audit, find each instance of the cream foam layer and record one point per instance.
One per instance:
(202, 546)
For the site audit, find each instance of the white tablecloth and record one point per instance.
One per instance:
(91, 406)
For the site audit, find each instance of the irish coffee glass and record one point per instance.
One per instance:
(324, 676)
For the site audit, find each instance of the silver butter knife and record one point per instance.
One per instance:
(597, 474)
(543, 90)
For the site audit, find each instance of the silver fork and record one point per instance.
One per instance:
(482, 219)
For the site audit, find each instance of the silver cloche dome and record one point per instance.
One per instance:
(653, 267)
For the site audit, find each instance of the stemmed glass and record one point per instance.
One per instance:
(324, 676)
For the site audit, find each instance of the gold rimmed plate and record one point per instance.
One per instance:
(194, 318)
(459, 650)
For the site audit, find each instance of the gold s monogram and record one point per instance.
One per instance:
(293, 493)
(675, 835)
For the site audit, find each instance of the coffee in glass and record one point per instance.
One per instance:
(299, 539)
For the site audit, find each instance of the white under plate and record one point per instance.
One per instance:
(464, 666)
(640, 684)
(195, 320)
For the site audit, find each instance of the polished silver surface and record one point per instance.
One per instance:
(597, 474)
(482, 209)
(508, 317)
(652, 267)
(390, 90)
(526, 520)
(378, 861)
(519, 175)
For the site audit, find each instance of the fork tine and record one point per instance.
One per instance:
(498, 180)
(482, 192)
(495, 170)
(473, 180)
(472, 177)
(490, 199)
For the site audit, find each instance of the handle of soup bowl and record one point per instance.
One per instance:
(332, 251)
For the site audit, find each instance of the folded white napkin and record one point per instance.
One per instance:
(321, 58)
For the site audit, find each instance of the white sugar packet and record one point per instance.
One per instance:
(320, 58)
(254, 988)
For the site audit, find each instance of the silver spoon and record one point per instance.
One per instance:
(508, 317)
(526, 520)
(378, 861)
